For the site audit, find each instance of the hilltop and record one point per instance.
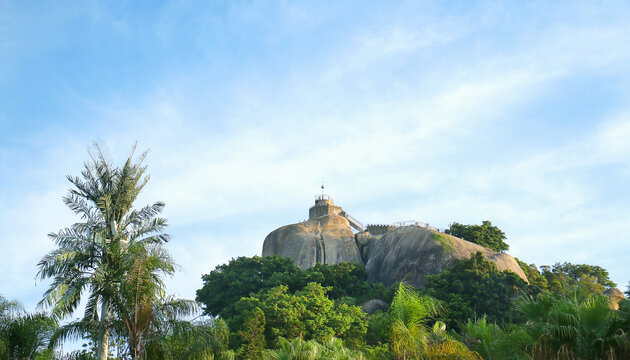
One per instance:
(390, 253)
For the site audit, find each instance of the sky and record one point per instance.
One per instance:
(441, 112)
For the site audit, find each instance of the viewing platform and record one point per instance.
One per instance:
(324, 205)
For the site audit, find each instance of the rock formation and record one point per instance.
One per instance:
(411, 252)
(371, 306)
(326, 239)
(405, 252)
(615, 295)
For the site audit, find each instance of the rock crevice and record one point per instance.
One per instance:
(327, 239)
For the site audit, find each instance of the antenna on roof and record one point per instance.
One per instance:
(322, 188)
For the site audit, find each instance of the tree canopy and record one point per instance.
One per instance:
(116, 256)
(308, 313)
(90, 255)
(577, 326)
(485, 235)
(564, 276)
(241, 277)
(474, 287)
(22, 335)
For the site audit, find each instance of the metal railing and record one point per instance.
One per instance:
(323, 197)
(421, 224)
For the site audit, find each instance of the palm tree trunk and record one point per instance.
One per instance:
(103, 341)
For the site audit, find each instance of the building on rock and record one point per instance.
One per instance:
(390, 253)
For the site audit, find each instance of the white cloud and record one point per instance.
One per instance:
(391, 138)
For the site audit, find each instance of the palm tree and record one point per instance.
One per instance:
(90, 255)
(575, 327)
(410, 314)
(9, 310)
(450, 350)
(202, 340)
(297, 349)
(23, 336)
(335, 349)
(146, 317)
(495, 342)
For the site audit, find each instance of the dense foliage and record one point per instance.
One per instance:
(494, 341)
(578, 326)
(563, 278)
(226, 284)
(537, 281)
(472, 296)
(267, 308)
(244, 276)
(485, 235)
(22, 335)
(410, 316)
(475, 287)
(308, 313)
(115, 259)
(331, 349)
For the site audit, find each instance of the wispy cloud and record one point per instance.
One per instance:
(421, 114)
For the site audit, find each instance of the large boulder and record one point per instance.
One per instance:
(615, 295)
(371, 306)
(326, 239)
(411, 252)
(405, 253)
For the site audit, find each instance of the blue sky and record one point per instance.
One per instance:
(518, 113)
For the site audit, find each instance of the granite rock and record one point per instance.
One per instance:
(615, 295)
(326, 239)
(411, 252)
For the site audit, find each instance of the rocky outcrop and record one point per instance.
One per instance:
(615, 295)
(408, 252)
(371, 306)
(412, 252)
(326, 239)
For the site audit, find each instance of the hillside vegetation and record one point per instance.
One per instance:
(473, 303)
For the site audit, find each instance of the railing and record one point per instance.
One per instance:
(353, 222)
(323, 197)
(411, 223)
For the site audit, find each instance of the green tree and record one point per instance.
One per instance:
(89, 254)
(378, 328)
(410, 315)
(141, 313)
(241, 277)
(144, 313)
(576, 326)
(9, 310)
(492, 341)
(347, 280)
(564, 277)
(485, 235)
(308, 313)
(475, 287)
(22, 335)
(443, 346)
(335, 349)
(450, 350)
(228, 283)
(537, 282)
(253, 335)
(298, 349)
(202, 340)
